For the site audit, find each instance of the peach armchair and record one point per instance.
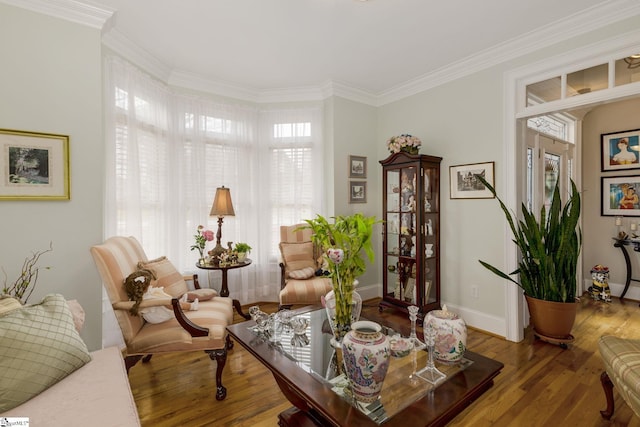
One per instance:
(201, 330)
(300, 260)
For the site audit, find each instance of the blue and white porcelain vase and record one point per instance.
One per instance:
(366, 352)
(451, 334)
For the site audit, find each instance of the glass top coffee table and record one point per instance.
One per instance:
(310, 376)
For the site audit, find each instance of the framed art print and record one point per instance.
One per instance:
(620, 195)
(620, 150)
(357, 167)
(357, 191)
(464, 184)
(33, 166)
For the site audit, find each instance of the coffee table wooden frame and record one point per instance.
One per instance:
(316, 403)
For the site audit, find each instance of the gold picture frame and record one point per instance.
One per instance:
(33, 166)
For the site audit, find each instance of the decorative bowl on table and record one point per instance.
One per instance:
(400, 347)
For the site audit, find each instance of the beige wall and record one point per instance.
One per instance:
(50, 81)
(353, 132)
(598, 230)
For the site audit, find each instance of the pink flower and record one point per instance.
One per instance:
(335, 255)
(208, 235)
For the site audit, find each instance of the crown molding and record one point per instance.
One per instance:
(578, 24)
(102, 18)
(119, 43)
(88, 14)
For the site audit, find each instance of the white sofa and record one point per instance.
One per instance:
(98, 394)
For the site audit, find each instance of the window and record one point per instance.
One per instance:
(167, 152)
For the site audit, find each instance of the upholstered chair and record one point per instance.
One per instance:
(300, 260)
(201, 330)
(621, 359)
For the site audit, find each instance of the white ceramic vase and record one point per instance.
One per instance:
(366, 352)
(451, 334)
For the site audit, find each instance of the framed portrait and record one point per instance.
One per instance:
(620, 195)
(464, 184)
(620, 150)
(33, 166)
(357, 191)
(357, 167)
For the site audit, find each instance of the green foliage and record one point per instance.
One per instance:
(242, 247)
(549, 248)
(352, 234)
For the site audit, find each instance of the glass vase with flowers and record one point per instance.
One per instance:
(201, 237)
(344, 243)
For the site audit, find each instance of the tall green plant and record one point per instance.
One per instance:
(549, 247)
(351, 234)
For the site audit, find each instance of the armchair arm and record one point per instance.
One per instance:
(126, 305)
(192, 278)
(282, 273)
(193, 329)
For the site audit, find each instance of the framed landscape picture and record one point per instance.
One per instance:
(620, 195)
(357, 167)
(464, 183)
(357, 191)
(620, 150)
(33, 166)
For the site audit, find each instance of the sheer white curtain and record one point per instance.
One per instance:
(168, 151)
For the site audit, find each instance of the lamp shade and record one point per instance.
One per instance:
(222, 205)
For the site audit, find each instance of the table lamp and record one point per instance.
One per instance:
(222, 207)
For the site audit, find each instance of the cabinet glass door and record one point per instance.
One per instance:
(431, 250)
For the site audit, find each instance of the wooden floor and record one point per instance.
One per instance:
(541, 384)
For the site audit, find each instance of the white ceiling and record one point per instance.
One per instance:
(373, 47)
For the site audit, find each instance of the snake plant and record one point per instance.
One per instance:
(549, 247)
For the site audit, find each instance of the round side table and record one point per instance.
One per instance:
(224, 292)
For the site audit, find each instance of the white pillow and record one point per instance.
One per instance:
(305, 273)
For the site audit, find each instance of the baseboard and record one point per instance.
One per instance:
(491, 324)
(369, 291)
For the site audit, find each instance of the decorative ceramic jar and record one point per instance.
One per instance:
(451, 334)
(366, 351)
(339, 331)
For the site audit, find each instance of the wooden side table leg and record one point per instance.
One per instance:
(627, 262)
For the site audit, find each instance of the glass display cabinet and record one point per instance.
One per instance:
(411, 232)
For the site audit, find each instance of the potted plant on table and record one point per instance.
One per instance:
(343, 243)
(242, 249)
(549, 248)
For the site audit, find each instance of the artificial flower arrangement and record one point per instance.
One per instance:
(202, 236)
(404, 142)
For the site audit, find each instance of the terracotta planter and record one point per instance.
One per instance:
(552, 319)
